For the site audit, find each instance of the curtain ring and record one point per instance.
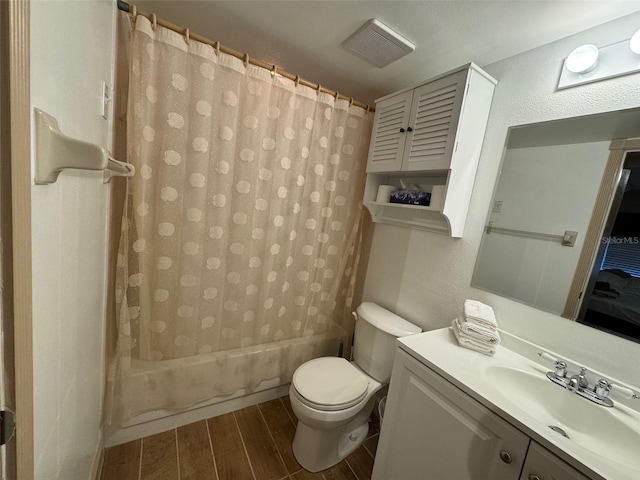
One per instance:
(297, 80)
(337, 94)
(350, 101)
(217, 47)
(246, 60)
(274, 71)
(154, 21)
(318, 87)
(367, 109)
(186, 36)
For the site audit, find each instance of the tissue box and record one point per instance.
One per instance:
(411, 197)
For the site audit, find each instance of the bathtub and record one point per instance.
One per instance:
(161, 395)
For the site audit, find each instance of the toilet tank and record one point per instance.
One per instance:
(375, 339)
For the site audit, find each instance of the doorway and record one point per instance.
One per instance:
(612, 297)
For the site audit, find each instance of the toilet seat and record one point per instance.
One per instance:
(330, 383)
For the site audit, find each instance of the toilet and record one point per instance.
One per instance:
(333, 398)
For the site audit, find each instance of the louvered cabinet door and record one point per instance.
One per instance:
(389, 133)
(434, 118)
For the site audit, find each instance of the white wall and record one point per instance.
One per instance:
(72, 45)
(543, 189)
(425, 277)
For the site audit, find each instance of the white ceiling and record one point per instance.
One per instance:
(303, 37)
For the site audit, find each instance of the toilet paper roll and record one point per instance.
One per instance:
(437, 196)
(384, 191)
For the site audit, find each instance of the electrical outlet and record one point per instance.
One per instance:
(106, 99)
(497, 206)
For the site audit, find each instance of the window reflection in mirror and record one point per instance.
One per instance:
(548, 186)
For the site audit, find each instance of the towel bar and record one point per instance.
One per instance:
(567, 240)
(56, 152)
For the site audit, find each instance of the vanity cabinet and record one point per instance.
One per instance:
(430, 135)
(432, 430)
(541, 464)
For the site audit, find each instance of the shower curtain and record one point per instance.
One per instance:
(241, 226)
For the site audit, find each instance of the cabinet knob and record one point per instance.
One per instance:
(409, 129)
(401, 130)
(505, 456)
(533, 477)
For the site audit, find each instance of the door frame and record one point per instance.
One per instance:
(604, 201)
(16, 37)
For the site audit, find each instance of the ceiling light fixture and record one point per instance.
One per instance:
(634, 43)
(588, 63)
(583, 59)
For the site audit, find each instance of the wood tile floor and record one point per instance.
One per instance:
(250, 444)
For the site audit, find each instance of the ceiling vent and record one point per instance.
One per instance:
(378, 44)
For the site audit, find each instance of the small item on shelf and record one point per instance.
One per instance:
(411, 197)
(384, 193)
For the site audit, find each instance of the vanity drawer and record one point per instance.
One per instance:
(541, 464)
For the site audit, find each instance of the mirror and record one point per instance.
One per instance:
(541, 209)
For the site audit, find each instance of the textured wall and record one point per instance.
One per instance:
(425, 277)
(72, 52)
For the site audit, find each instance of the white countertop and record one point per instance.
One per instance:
(467, 369)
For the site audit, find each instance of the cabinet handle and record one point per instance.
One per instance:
(533, 477)
(409, 129)
(401, 130)
(505, 456)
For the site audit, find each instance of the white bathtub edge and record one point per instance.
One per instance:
(163, 422)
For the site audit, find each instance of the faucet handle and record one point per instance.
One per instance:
(546, 356)
(625, 392)
(561, 369)
(602, 388)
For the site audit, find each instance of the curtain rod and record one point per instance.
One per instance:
(132, 10)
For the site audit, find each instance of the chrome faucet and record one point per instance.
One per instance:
(578, 382)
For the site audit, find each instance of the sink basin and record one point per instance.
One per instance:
(603, 431)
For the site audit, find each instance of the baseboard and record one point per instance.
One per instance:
(167, 422)
(98, 459)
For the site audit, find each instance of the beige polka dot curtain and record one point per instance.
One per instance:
(241, 230)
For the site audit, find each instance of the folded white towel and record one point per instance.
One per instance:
(467, 342)
(478, 312)
(479, 332)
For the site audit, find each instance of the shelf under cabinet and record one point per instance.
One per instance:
(416, 216)
(405, 205)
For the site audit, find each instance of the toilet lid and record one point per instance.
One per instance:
(330, 382)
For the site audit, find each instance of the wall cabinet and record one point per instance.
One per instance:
(432, 430)
(430, 135)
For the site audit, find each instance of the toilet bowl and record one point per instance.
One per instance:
(333, 398)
